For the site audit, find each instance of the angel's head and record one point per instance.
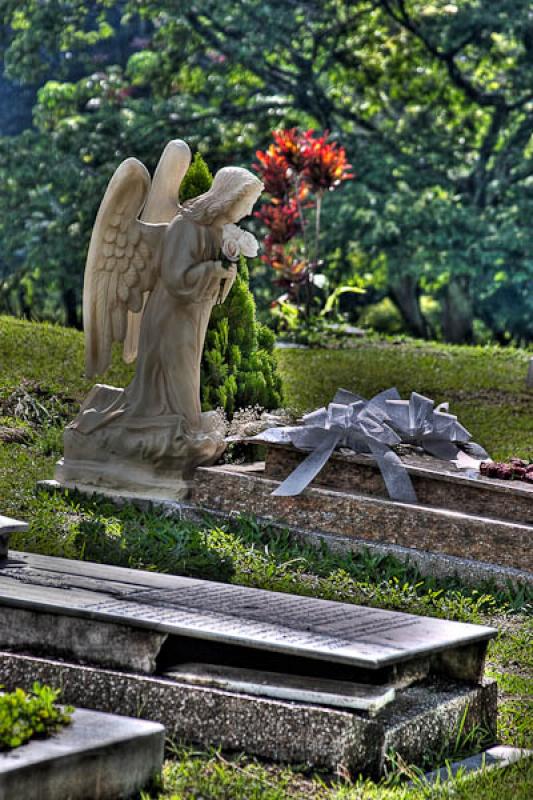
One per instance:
(232, 196)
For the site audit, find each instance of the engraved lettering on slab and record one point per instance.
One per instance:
(286, 623)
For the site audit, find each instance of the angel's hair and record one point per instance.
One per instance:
(230, 185)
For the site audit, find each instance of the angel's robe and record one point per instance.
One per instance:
(162, 403)
(174, 325)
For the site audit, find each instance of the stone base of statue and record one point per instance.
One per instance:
(108, 445)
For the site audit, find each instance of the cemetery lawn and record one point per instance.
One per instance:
(41, 383)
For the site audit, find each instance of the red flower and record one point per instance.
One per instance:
(288, 144)
(325, 163)
(274, 172)
(287, 261)
(282, 221)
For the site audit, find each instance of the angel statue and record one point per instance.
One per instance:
(153, 274)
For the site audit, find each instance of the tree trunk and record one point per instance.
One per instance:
(25, 307)
(457, 311)
(405, 294)
(70, 303)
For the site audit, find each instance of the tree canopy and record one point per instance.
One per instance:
(433, 102)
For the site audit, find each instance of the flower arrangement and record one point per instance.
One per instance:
(515, 468)
(298, 169)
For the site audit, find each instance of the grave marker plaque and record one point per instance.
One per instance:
(338, 633)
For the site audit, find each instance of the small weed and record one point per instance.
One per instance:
(24, 716)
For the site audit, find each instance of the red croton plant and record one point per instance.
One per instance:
(298, 169)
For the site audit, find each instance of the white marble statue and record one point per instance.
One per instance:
(153, 274)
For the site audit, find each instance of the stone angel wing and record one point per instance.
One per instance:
(161, 206)
(122, 263)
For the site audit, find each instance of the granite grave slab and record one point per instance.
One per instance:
(245, 489)
(437, 483)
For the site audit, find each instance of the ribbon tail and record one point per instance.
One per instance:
(475, 450)
(394, 473)
(304, 473)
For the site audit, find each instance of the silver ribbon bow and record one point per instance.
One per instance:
(370, 426)
(419, 423)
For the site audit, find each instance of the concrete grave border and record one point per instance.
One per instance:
(421, 719)
(101, 756)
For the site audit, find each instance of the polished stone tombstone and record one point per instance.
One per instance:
(457, 515)
(438, 483)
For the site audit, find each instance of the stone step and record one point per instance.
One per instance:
(231, 488)
(101, 756)
(439, 484)
(287, 731)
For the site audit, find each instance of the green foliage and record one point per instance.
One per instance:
(197, 180)
(24, 716)
(238, 367)
(382, 317)
(432, 101)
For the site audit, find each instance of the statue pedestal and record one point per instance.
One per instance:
(106, 446)
(125, 477)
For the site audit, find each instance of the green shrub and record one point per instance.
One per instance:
(24, 715)
(238, 366)
(382, 317)
(197, 180)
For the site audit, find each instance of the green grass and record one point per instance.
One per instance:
(484, 385)
(48, 362)
(213, 776)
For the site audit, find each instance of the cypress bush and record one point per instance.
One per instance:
(238, 366)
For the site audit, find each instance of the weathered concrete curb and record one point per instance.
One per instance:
(438, 565)
(494, 757)
(422, 718)
(97, 757)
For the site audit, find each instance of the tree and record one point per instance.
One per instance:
(433, 102)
